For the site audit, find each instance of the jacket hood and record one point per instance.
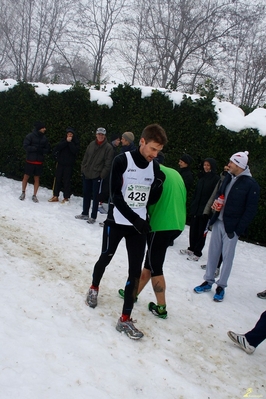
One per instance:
(212, 162)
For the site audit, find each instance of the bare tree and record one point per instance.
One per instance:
(96, 22)
(31, 31)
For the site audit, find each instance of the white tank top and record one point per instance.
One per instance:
(135, 189)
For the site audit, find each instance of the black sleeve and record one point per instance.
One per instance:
(157, 185)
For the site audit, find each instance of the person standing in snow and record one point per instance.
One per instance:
(241, 193)
(253, 338)
(135, 180)
(198, 221)
(167, 218)
(65, 153)
(36, 146)
(184, 169)
(127, 142)
(95, 166)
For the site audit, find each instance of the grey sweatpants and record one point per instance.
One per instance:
(220, 243)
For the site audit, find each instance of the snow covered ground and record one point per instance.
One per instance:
(54, 346)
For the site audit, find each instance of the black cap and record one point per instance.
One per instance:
(187, 158)
(39, 125)
(70, 130)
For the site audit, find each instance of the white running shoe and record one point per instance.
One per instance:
(185, 252)
(241, 341)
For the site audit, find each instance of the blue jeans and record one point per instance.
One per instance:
(91, 191)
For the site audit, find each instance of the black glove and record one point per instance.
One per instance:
(231, 235)
(142, 226)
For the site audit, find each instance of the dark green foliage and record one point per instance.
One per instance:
(190, 126)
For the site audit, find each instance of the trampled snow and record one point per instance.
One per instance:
(54, 346)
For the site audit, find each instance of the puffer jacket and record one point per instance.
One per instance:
(36, 146)
(97, 160)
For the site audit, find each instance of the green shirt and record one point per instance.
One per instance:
(169, 213)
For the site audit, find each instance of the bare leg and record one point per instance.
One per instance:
(144, 279)
(24, 182)
(158, 284)
(36, 184)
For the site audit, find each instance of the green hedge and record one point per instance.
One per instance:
(190, 126)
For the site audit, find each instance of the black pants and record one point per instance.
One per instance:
(197, 237)
(135, 245)
(158, 242)
(63, 176)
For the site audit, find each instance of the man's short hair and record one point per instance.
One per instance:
(155, 133)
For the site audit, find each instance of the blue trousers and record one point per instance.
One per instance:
(91, 191)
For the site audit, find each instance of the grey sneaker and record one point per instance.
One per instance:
(186, 252)
(91, 220)
(261, 295)
(22, 197)
(91, 298)
(129, 329)
(35, 199)
(241, 341)
(193, 258)
(82, 217)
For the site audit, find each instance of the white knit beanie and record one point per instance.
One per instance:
(240, 159)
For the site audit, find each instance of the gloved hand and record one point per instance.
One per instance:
(142, 226)
(231, 235)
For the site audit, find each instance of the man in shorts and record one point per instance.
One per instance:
(36, 146)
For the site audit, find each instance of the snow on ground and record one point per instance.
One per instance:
(54, 346)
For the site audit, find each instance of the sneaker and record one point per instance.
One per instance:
(159, 311)
(217, 271)
(82, 217)
(241, 341)
(34, 198)
(186, 252)
(219, 296)
(91, 220)
(261, 295)
(91, 298)
(102, 210)
(204, 287)
(193, 257)
(101, 224)
(129, 329)
(121, 292)
(53, 199)
(65, 201)
(22, 197)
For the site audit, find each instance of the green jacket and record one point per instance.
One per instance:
(97, 160)
(169, 213)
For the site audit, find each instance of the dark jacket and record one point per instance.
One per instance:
(65, 152)
(187, 177)
(130, 147)
(241, 204)
(97, 160)
(36, 146)
(204, 189)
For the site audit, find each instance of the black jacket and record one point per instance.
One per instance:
(204, 189)
(36, 145)
(65, 152)
(187, 177)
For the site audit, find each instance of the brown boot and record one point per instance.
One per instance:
(53, 199)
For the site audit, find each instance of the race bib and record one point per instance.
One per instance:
(136, 195)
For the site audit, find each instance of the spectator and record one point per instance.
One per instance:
(95, 166)
(184, 164)
(36, 146)
(198, 221)
(127, 142)
(249, 341)
(241, 193)
(115, 141)
(65, 153)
